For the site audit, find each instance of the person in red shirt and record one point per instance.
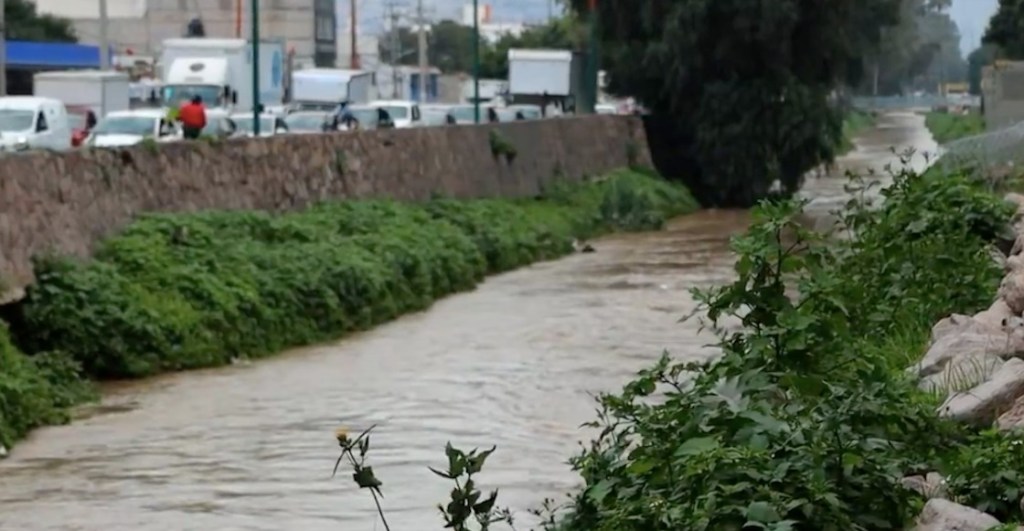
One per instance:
(192, 116)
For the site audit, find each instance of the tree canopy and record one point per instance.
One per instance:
(742, 92)
(1006, 29)
(24, 23)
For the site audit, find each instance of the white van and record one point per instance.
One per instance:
(403, 113)
(28, 122)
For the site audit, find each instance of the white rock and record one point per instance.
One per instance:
(944, 515)
(1014, 263)
(963, 372)
(972, 338)
(1013, 420)
(983, 404)
(1016, 199)
(1011, 290)
(998, 258)
(996, 316)
(953, 323)
(931, 486)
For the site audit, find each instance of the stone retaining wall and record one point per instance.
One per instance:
(65, 203)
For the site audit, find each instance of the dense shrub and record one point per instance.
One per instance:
(178, 291)
(35, 391)
(807, 420)
(947, 127)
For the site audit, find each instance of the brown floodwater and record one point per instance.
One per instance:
(514, 363)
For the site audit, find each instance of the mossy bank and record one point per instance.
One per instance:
(183, 291)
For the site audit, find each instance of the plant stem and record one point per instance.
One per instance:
(380, 511)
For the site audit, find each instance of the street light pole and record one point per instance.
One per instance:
(104, 38)
(3, 51)
(476, 60)
(255, 68)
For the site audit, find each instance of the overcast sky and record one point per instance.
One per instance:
(972, 18)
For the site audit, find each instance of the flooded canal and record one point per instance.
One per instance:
(513, 363)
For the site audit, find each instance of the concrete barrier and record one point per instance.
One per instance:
(65, 203)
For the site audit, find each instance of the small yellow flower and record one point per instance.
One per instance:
(341, 434)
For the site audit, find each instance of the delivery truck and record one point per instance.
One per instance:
(220, 71)
(324, 88)
(95, 90)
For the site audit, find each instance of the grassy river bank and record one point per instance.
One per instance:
(181, 291)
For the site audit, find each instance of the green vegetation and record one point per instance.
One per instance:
(23, 22)
(808, 420)
(740, 111)
(947, 127)
(854, 124)
(181, 291)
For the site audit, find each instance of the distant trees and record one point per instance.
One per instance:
(1006, 29)
(24, 23)
(451, 46)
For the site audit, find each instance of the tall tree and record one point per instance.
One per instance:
(740, 89)
(24, 23)
(1006, 29)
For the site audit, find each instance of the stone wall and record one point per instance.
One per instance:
(65, 203)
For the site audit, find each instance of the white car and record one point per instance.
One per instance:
(127, 128)
(270, 124)
(403, 113)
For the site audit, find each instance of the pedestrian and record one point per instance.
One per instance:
(192, 116)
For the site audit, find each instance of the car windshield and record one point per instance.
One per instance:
(176, 95)
(306, 122)
(435, 117)
(126, 125)
(397, 112)
(245, 124)
(13, 120)
(366, 117)
(466, 113)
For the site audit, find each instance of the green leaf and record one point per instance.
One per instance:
(600, 491)
(762, 512)
(696, 446)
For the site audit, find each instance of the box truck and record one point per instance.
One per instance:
(95, 90)
(324, 88)
(221, 72)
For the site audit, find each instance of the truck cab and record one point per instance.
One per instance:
(208, 78)
(29, 122)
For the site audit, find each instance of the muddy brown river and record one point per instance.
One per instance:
(514, 363)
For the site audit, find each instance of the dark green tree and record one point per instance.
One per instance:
(983, 56)
(741, 91)
(24, 23)
(1006, 29)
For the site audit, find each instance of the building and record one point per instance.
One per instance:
(309, 27)
(1002, 92)
(490, 30)
(23, 59)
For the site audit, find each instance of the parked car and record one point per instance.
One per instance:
(218, 125)
(126, 128)
(529, 112)
(403, 113)
(606, 108)
(308, 122)
(466, 114)
(507, 114)
(435, 115)
(270, 124)
(29, 122)
(370, 117)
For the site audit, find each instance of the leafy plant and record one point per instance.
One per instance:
(501, 147)
(988, 474)
(467, 504)
(807, 420)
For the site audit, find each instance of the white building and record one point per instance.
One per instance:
(308, 27)
(490, 30)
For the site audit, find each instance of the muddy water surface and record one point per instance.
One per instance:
(512, 363)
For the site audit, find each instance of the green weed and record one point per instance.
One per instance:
(947, 127)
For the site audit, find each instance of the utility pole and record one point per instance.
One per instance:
(476, 60)
(3, 50)
(592, 63)
(104, 38)
(353, 61)
(395, 49)
(421, 22)
(256, 68)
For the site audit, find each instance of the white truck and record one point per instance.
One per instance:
(220, 71)
(94, 90)
(324, 88)
(543, 77)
